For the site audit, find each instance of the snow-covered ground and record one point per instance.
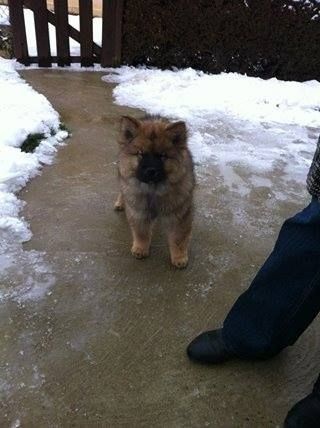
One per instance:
(236, 122)
(4, 15)
(22, 112)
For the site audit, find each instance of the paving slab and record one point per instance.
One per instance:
(97, 338)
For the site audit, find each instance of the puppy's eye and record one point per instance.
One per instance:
(164, 156)
(139, 153)
(128, 134)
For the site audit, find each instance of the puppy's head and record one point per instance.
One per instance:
(152, 150)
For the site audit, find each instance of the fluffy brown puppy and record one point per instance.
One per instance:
(156, 182)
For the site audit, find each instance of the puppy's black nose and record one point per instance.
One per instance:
(150, 169)
(151, 173)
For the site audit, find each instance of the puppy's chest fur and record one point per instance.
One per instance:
(152, 205)
(152, 202)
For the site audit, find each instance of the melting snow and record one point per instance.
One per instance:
(240, 124)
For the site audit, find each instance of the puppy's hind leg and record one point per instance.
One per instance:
(119, 204)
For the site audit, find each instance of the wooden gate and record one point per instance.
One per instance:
(109, 54)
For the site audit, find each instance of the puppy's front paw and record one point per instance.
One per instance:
(139, 252)
(180, 262)
(118, 206)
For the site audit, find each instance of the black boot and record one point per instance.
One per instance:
(306, 413)
(209, 347)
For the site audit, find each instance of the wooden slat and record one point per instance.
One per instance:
(75, 34)
(118, 33)
(111, 32)
(62, 36)
(20, 46)
(86, 32)
(54, 59)
(39, 8)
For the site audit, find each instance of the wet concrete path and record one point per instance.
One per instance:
(105, 344)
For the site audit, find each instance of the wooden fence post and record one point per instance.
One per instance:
(62, 33)
(111, 33)
(20, 46)
(39, 8)
(86, 32)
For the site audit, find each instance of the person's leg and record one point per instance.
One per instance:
(305, 413)
(281, 302)
(284, 297)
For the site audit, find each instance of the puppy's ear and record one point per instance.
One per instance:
(129, 128)
(177, 132)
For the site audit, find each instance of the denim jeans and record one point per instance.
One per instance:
(284, 297)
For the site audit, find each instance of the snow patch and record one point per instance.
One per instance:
(4, 15)
(25, 275)
(22, 111)
(236, 122)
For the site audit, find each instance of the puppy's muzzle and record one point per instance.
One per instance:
(150, 169)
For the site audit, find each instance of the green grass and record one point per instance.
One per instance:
(32, 142)
(63, 127)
